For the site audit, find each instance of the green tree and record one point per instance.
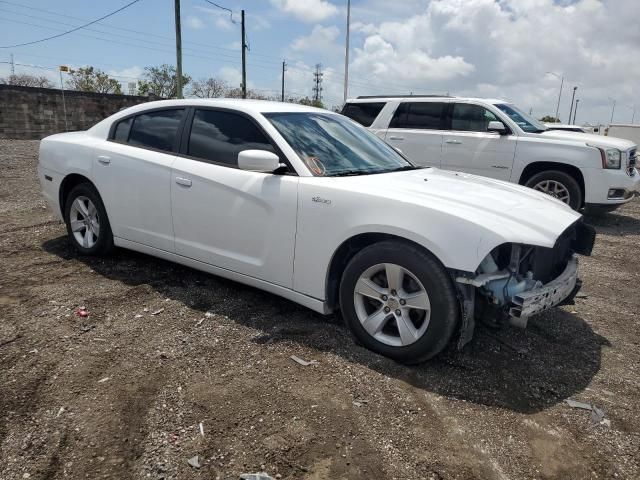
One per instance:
(91, 79)
(549, 119)
(161, 81)
(310, 102)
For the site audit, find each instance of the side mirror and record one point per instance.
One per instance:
(258, 161)
(498, 127)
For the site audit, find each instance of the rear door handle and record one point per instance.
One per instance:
(185, 182)
(104, 159)
(453, 142)
(396, 138)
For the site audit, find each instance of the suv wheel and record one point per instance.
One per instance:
(87, 223)
(559, 185)
(399, 301)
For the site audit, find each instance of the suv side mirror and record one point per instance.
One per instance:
(498, 127)
(258, 161)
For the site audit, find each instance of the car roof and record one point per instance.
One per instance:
(420, 98)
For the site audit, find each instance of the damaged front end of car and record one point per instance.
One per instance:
(515, 281)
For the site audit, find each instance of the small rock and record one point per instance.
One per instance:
(194, 461)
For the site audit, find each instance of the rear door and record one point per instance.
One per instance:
(239, 220)
(132, 171)
(416, 128)
(469, 147)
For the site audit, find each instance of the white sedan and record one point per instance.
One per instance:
(309, 205)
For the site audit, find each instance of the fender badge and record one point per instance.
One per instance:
(321, 200)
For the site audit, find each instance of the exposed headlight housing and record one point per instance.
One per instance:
(612, 158)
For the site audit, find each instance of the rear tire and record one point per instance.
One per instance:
(422, 310)
(558, 184)
(87, 222)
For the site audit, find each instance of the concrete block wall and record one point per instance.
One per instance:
(28, 113)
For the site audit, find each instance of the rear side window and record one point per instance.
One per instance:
(156, 130)
(418, 115)
(121, 133)
(220, 136)
(363, 113)
(471, 118)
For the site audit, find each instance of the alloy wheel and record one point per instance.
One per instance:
(84, 221)
(555, 189)
(392, 304)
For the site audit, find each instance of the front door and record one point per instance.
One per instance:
(469, 147)
(234, 219)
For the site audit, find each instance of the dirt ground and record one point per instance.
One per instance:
(122, 393)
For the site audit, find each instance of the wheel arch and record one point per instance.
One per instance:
(346, 251)
(68, 183)
(538, 167)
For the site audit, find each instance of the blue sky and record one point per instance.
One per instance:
(488, 48)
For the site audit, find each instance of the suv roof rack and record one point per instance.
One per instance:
(402, 96)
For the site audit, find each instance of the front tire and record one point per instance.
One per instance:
(559, 185)
(87, 222)
(399, 301)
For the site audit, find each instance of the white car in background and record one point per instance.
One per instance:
(495, 139)
(306, 204)
(563, 127)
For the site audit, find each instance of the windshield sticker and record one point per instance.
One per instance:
(316, 166)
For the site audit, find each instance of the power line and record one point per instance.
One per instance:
(222, 8)
(74, 29)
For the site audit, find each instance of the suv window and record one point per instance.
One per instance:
(363, 113)
(156, 130)
(420, 115)
(471, 118)
(219, 136)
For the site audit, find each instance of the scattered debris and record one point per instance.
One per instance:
(581, 295)
(597, 415)
(199, 322)
(302, 362)
(87, 328)
(139, 315)
(209, 314)
(102, 380)
(160, 310)
(194, 461)
(82, 312)
(60, 412)
(201, 429)
(256, 476)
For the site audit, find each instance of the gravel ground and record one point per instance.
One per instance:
(122, 393)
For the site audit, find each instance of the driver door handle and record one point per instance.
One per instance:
(185, 182)
(396, 138)
(103, 159)
(453, 142)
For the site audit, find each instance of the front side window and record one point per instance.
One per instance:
(526, 122)
(157, 130)
(331, 145)
(363, 113)
(418, 115)
(219, 136)
(467, 117)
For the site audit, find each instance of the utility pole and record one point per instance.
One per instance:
(317, 79)
(575, 111)
(64, 68)
(572, 97)
(284, 69)
(612, 110)
(346, 53)
(13, 66)
(178, 51)
(244, 58)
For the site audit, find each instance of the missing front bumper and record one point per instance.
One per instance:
(554, 293)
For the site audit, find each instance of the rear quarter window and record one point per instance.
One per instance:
(363, 113)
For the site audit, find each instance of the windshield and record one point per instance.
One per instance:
(525, 122)
(332, 145)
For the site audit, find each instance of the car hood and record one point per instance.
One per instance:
(590, 138)
(515, 213)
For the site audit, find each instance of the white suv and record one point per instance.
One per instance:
(495, 139)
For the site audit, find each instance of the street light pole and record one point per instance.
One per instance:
(613, 109)
(575, 111)
(346, 53)
(559, 93)
(572, 97)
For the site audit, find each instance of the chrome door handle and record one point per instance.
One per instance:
(185, 182)
(396, 138)
(104, 159)
(453, 142)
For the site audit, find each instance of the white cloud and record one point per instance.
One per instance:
(319, 39)
(307, 10)
(194, 22)
(231, 75)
